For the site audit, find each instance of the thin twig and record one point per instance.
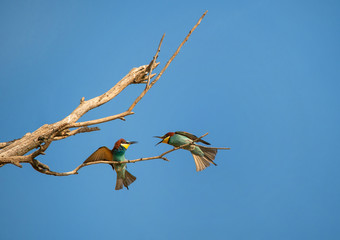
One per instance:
(218, 148)
(177, 51)
(101, 120)
(153, 61)
(147, 87)
(67, 133)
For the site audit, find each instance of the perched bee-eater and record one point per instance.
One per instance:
(116, 154)
(203, 156)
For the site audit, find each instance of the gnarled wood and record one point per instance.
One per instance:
(13, 152)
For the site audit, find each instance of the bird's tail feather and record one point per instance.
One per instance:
(119, 183)
(202, 162)
(209, 153)
(129, 178)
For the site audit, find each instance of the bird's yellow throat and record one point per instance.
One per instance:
(166, 140)
(126, 145)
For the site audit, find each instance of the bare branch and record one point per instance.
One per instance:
(67, 133)
(147, 87)
(13, 152)
(101, 120)
(43, 147)
(218, 148)
(16, 160)
(177, 51)
(153, 61)
(40, 167)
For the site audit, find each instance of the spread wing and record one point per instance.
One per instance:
(102, 154)
(191, 136)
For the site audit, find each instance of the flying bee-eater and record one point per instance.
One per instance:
(203, 156)
(116, 154)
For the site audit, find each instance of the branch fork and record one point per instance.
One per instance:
(13, 152)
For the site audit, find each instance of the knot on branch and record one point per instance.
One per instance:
(82, 100)
(42, 139)
(39, 166)
(144, 75)
(64, 132)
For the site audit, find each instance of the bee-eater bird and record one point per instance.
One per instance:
(116, 154)
(203, 156)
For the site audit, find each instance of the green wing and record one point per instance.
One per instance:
(191, 136)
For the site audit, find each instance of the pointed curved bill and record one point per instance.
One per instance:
(160, 141)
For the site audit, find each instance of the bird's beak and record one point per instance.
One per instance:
(160, 138)
(162, 141)
(127, 144)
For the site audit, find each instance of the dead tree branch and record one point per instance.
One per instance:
(13, 152)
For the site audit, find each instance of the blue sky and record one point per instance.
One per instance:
(262, 77)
